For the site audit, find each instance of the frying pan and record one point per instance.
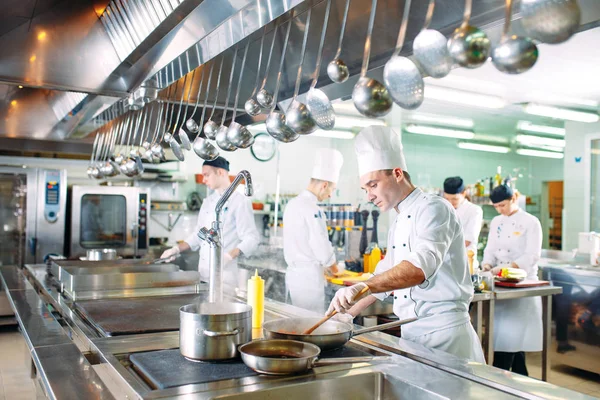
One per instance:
(331, 335)
(283, 357)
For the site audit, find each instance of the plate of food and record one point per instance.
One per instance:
(511, 275)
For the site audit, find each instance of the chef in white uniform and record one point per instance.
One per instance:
(306, 247)
(240, 235)
(425, 262)
(515, 240)
(469, 215)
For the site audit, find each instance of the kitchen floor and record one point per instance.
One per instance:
(16, 383)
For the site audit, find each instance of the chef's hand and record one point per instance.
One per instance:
(486, 267)
(344, 298)
(496, 270)
(227, 258)
(346, 318)
(171, 254)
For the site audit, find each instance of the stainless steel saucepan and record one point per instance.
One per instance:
(332, 334)
(284, 357)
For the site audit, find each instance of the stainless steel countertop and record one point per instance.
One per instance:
(516, 293)
(446, 375)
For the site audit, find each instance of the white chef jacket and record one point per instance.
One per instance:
(518, 322)
(427, 233)
(307, 251)
(471, 218)
(239, 230)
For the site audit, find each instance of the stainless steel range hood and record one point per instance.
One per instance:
(70, 50)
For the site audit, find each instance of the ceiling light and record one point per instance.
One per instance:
(442, 119)
(352, 122)
(333, 134)
(533, 141)
(539, 153)
(531, 127)
(433, 131)
(462, 97)
(561, 113)
(483, 147)
(561, 99)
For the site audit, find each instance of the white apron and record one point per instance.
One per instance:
(517, 322)
(306, 285)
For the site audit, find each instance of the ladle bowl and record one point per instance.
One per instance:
(515, 55)
(431, 52)
(210, 129)
(265, 98)
(404, 81)
(222, 141)
(469, 46)
(239, 136)
(338, 71)
(277, 128)
(185, 140)
(252, 107)
(550, 21)
(299, 119)
(371, 98)
(204, 149)
(192, 126)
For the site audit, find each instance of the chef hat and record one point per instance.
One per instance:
(327, 166)
(378, 148)
(454, 185)
(501, 193)
(218, 162)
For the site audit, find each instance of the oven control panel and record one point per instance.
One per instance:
(52, 196)
(143, 221)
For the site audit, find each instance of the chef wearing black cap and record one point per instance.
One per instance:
(240, 235)
(515, 241)
(469, 215)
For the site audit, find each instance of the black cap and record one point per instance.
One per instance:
(218, 162)
(501, 193)
(454, 185)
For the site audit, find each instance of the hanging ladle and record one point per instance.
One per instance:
(337, 70)
(237, 134)
(211, 127)
(183, 137)
(201, 146)
(190, 124)
(370, 97)
(264, 97)
(401, 76)
(316, 100)
(431, 49)
(168, 137)
(92, 170)
(469, 46)
(221, 136)
(298, 116)
(514, 54)
(251, 106)
(275, 122)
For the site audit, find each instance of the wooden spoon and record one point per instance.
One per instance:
(325, 319)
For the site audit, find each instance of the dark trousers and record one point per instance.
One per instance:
(514, 362)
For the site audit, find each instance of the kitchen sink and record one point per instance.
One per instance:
(371, 385)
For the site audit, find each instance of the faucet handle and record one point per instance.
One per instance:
(203, 233)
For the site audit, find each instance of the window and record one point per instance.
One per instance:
(103, 221)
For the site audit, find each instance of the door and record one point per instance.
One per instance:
(13, 212)
(555, 207)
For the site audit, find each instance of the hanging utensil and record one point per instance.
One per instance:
(514, 54)
(431, 50)
(201, 146)
(298, 117)
(157, 149)
(316, 100)
(92, 170)
(275, 122)
(401, 76)
(237, 134)
(469, 46)
(146, 144)
(131, 165)
(183, 137)
(156, 158)
(251, 106)
(371, 98)
(284, 357)
(190, 124)
(264, 97)
(550, 21)
(211, 127)
(168, 136)
(337, 70)
(221, 136)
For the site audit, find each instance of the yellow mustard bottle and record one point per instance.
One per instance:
(256, 299)
(374, 258)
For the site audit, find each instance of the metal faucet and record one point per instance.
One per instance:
(214, 238)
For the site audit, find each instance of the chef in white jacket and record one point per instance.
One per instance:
(425, 262)
(515, 240)
(240, 235)
(469, 214)
(306, 247)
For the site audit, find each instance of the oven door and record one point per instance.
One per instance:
(109, 217)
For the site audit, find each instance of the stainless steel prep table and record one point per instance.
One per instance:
(450, 377)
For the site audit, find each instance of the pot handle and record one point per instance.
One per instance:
(383, 327)
(349, 360)
(205, 332)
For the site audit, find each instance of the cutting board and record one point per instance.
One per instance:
(523, 284)
(348, 278)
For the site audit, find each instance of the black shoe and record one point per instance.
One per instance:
(563, 348)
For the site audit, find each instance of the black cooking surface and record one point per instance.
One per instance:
(165, 369)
